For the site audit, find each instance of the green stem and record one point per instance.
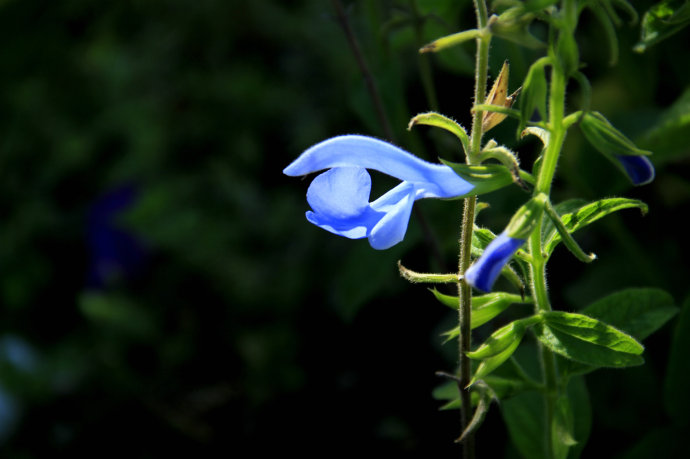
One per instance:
(464, 289)
(538, 265)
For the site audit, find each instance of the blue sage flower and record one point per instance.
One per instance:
(484, 272)
(339, 197)
(638, 168)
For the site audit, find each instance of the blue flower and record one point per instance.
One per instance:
(638, 168)
(116, 253)
(339, 197)
(483, 273)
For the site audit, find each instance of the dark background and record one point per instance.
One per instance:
(160, 289)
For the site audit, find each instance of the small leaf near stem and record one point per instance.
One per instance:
(450, 125)
(485, 397)
(566, 237)
(428, 278)
(451, 40)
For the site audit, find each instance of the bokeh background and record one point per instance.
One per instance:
(160, 289)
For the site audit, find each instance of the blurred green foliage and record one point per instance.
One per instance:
(244, 326)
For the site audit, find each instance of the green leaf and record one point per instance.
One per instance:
(669, 136)
(443, 122)
(582, 216)
(513, 24)
(661, 21)
(533, 94)
(526, 218)
(490, 364)
(484, 307)
(562, 426)
(562, 208)
(500, 340)
(450, 41)
(525, 420)
(637, 311)
(582, 414)
(481, 237)
(566, 237)
(606, 139)
(485, 178)
(500, 346)
(676, 393)
(588, 340)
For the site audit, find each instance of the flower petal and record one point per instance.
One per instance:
(483, 273)
(397, 205)
(339, 199)
(353, 228)
(340, 193)
(639, 168)
(432, 180)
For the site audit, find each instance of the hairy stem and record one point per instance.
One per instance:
(465, 290)
(538, 265)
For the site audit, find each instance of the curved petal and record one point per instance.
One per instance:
(397, 205)
(340, 193)
(434, 180)
(353, 228)
(339, 199)
(638, 168)
(483, 273)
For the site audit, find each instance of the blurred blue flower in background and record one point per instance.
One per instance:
(339, 197)
(116, 253)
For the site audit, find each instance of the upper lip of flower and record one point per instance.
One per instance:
(339, 197)
(432, 180)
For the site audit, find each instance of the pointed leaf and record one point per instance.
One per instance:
(586, 214)
(606, 139)
(533, 93)
(637, 311)
(450, 40)
(587, 340)
(500, 346)
(499, 340)
(484, 307)
(525, 420)
(593, 331)
(669, 136)
(562, 435)
(490, 364)
(443, 122)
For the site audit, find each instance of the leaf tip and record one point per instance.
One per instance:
(428, 48)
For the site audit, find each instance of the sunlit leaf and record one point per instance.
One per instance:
(587, 340)
(576, 218)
